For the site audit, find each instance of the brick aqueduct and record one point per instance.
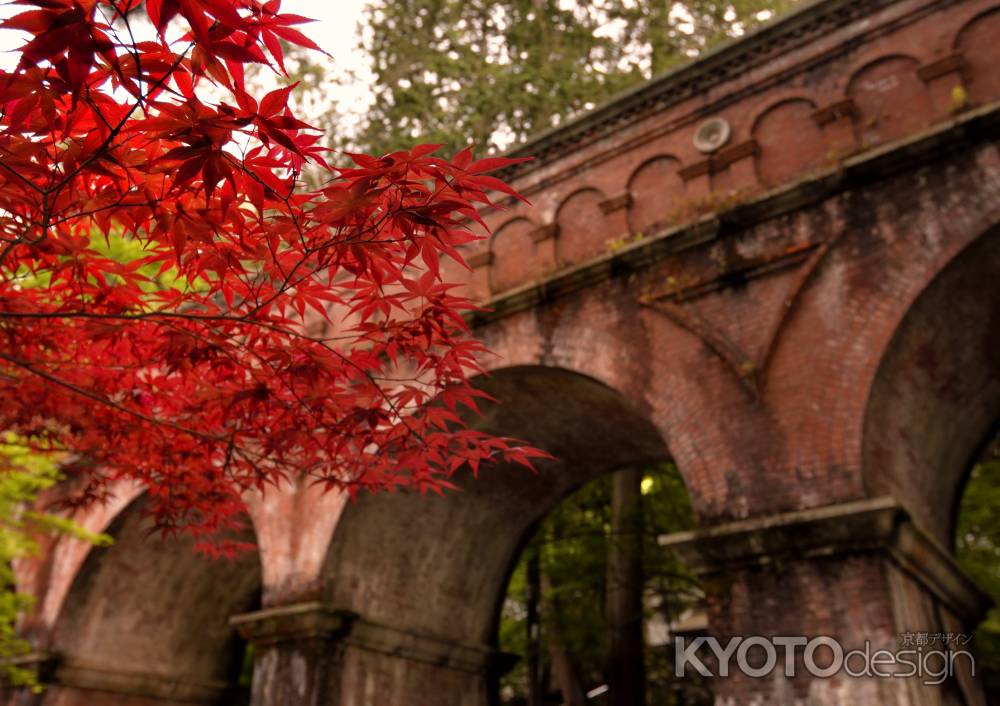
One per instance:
(805, 318)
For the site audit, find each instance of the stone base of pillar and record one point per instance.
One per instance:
(297, 653)
(309, 654)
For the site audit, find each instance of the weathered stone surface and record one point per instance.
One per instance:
(774, 560)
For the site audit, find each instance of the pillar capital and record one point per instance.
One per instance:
(875, 526)
(316, 620)
(290, 623)
(862, 572)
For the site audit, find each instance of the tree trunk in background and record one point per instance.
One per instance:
(533, 624)
(623, 608)
(564, 669)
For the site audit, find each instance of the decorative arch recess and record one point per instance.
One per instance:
(655, 188)
(443, 562)
(582, 233)
(513, 253)
(890, 99)
(977, 41)
(789, 140)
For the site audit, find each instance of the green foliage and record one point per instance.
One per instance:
(125, 250)
(977, 547)
(572, 545)
(245, 678)
(495, 73)
(26, 471)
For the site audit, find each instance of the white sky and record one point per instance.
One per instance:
(336, 20)
(336, 30)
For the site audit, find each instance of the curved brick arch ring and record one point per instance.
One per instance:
(935, 401)
(442, 564)
(148, 619)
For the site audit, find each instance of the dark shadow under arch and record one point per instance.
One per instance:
(935, 400)
(149, 617)
(439, 566)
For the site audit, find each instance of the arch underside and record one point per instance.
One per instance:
(935, 401)
(148, 618)
(439, 565)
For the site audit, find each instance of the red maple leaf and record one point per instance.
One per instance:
(180, 310)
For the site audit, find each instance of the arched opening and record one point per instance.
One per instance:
(933, 408)
(431, 572)
(147, 621)
(594, 601)
(935, 400)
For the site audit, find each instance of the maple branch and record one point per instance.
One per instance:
(105, 136)
(27, 367)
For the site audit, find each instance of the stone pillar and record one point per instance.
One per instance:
(297, 653)
(309, 654)
(861, 573)
(392, 666)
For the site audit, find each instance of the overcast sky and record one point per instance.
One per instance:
(336, 19)
(335, 29)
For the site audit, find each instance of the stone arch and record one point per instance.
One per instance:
(442, 564)
(148, 619)
(889, 98)
(513, 253)
(654, 187)
(789, 140)
(49, 575)
(977, 42)
(935, 400)
(582, 234)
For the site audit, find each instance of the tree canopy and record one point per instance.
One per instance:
(977, 547)
(495, 73)
(177, 309)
